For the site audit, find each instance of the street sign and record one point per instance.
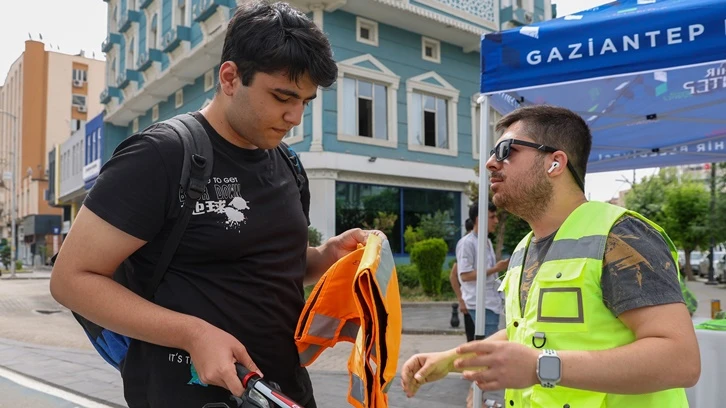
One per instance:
(56, 230)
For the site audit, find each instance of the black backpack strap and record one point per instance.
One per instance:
(196, 172)
(293, 161)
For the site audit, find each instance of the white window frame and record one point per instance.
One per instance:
(80, 74)
(297, 133)
(208, 80)
(494, 117)
(155, 113)
(179, 98)
(113, 70)
(436, 44)
(446, 91)
(175, 14)
(85, 99)
(372, 27)
(157, 38)
(382, 76)
(131, 63)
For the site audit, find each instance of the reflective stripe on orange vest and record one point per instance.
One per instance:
(357, 300)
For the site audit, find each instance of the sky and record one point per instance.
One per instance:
(75, 25)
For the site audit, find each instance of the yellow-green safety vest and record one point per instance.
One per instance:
(565, 309)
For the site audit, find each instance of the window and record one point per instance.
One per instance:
(179, 98)
(432, 113)
(358, 204)
(112, 72)
(135, 125)
(155, 113)
(297, 133)
(76, 124)
(131, 56)
(365, 109)
(208, 80)
(366, 31)
(494, 117)
(153, 35)
(430, 50)
(181, 12)
(80, 75)
(78, 100)
(367, 102)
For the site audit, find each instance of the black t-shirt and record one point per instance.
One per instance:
(239, 266)
(638, 268)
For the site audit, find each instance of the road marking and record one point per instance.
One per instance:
(32, 384)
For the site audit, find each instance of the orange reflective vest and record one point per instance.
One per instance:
(357, 300)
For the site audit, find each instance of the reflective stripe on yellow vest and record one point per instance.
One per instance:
(565, 309)
(357, 300)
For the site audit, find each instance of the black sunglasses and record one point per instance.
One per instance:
(503, 149)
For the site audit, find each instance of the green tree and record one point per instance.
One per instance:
(648, 198)
(315, 237)
(685, 218)
(437, 225)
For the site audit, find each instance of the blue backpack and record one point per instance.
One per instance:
(196, 172)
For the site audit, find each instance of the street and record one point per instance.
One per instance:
(43, 348)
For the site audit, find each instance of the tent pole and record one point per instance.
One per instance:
(711, 261)
(483, 227)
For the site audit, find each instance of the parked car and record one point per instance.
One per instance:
(696, 258)
(719, 259)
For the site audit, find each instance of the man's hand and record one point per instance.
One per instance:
(347, 242)
(426, 367)
(462, 306)
(507, 364)
(323, 257)
(214, 353)
(502, 265)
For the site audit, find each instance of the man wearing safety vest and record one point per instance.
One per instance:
(595, 315)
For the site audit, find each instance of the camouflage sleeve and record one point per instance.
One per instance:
(638, 268)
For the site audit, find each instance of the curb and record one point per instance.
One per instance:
(66, 389)
(427, 304)
(456, 332)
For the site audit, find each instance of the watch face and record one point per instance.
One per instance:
(549, 368)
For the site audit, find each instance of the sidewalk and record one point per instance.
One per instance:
(85, 373)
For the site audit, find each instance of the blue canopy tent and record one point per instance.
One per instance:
(648, 76)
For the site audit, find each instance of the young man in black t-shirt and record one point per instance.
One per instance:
(233, 292)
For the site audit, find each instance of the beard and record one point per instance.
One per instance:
(530, 198)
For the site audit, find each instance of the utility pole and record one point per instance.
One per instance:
(13, 209)
(711, 261)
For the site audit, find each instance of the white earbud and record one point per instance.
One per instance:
(553, 167)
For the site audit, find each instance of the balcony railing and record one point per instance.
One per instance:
(147, 58)
(123, 80)
(516, 16)
(108, 93)
(111, 39)
(205, 8)
(174, 37)
(131, 16)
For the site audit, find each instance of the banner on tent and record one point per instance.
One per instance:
(621, 37)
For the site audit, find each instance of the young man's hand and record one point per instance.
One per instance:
(347, 242)
(426, 367)
(214, 353)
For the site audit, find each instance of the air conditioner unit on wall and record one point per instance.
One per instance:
(82, 109)
(77, 83)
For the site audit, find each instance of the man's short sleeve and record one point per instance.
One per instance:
(466, 256)
(132, 191)
(638, 268)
